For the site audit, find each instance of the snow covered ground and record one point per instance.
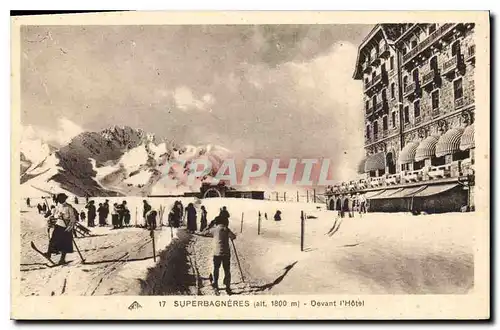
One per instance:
(373, 254)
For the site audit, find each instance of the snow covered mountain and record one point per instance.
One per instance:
(118, 161)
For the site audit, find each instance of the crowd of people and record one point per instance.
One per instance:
(349, 205)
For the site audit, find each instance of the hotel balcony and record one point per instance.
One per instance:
(393, 179)
(384, 51)
(369, 110)
(411, 89)
(377, 81)
(459, 103)
(362, 184)
(366, 67)
(375, 60)
(440, 172)
(413, 176)
(429, 41)
(429, 78)
(381, 106)
(471, 53)
(377, 182)
(450, 66)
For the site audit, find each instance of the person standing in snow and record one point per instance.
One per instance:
(224, 214)
(191, 218)
(106, 211)
(28, 202)
(39, 208)
(115, 215)
(151, 219)
(221, 251)
(145, 209)
(91, 213)
(277, 216)
(102, 215)
(63, 221)
(203, 220)
(76, 200)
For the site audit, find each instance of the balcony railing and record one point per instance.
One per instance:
(435, 36)
(459, 102)
(381, 105)
(366, 66)
(437, 172)
(377, 80)
(369, 110)
(429, 78)
(450, 65)
(375, 59)
(410, 88)
(384, 50)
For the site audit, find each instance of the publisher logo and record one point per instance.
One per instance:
(134, 305)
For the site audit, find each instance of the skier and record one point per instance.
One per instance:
(221, 252)
(191, 218)
(277, 216)
(106, 211)
(224, 213)
(63, 221)
(350, 206)
(151, 219)
(115, 216)
(203, 220)
(44, 208)
(362, 204)
(82, 216)
(265, 215)
(76, 200)
(28, 202)
(102, 214)
(39, 208)
(145, 210)
(126, 214)
(91, 213)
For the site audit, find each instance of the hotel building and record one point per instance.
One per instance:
(418, 93)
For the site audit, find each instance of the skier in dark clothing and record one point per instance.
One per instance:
(106, 211)
(102, 215)
(203, 220)
(44, 208)
(277, 216)
(91, 213)
(224, 214)
(151, 219)
(39, 208)
(125, 215)
(221, 253)
(76, 200)
(115, 215)
(145, 210)
(28, 202)
(191, 218)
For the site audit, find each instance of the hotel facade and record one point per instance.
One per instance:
(418, 93)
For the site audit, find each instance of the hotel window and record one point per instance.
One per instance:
(457, 88)
(415, 76)
(391, 63)
(455, 48)
(366, 81)
(393, 119)
(438, 161)
(406, 114)
(384, 123)
(375, 130)
(405, 167)
(416, 109)
(368, 131)
(393, 91)
(418, 165)
(414, 43)
(435, 100)
(404, 50)
(434, 64)
(405, 81)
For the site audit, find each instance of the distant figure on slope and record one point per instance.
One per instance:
(265, 215)
(76, 200)
(151, 219)
(102, 215)
(224, 214)
(28, 202)
(44, 208)
(115, 216)
(191, 218)
(203, 220)
(181, 213)
(338, 206)
(106, 211)
(64, 221)
(277, 216)
(125, 214)
(145, 209)
(221, 251)
(350, 206)
(82, 216)
(39, 208)
(91, 213)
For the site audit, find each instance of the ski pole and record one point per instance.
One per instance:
(77, 249)
(238, 260)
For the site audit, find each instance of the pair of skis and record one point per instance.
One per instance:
(52, 263)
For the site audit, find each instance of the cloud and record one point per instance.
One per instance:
(65, 131)
(185, 100)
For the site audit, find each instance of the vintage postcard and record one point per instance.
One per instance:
(251, 165)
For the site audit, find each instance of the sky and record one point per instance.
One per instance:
(283, 91)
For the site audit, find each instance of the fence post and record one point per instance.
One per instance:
(152, 234)
(258, 224)
(301, 231)
(297, 196)
(284, 196)
(314, 192)
(241, 228)
(307, 195)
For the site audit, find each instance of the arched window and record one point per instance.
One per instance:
(393, 90)
(368, 133)
(405, 81)
(434, 64)
(375, 130)
(415, 75)
(455, 48)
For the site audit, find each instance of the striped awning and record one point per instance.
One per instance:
(426, 148)
(375, 162)
(407, 155)
(435, 190)
(449, 142)
(467, 140)
(361, 166)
